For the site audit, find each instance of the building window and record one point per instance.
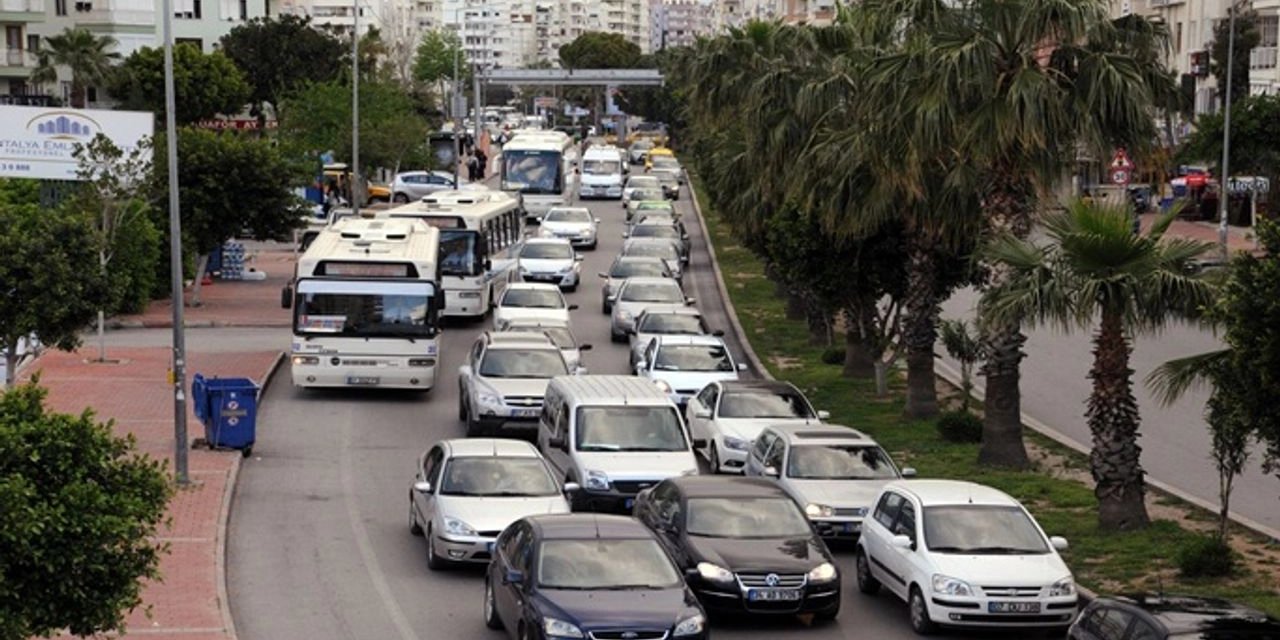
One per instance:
(1268, 26)
(244, 9)
(60, 7)
(1177, 38)
(91, 94)
(84, 7)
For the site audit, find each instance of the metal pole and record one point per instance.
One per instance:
(1224, 196)
(179, 379)
(475, 97)
(457, 120)
(355, 108)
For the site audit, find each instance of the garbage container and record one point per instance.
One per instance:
(228, 408)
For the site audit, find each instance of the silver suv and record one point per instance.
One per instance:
(503, 382)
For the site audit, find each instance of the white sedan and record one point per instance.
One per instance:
(549, 260)
(683, 365)
(575, 224)
(528, 300)
(730, 414)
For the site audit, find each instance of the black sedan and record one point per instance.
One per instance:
(587, 576)
(743, 544)
(1161, 617)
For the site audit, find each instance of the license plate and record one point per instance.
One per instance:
(524, 413)
(362, 380)
(1013, 607)
(852, 527)
(773, 595)
(628, 503)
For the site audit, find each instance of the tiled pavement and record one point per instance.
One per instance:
(189, 603)
(1238, 238)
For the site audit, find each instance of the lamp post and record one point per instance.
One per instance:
(1224, 197)
(179, 376)
(355, 108)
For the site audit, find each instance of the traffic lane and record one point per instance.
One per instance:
(1175, 439)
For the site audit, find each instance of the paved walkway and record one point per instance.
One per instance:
(1238, 238)
(189, 602)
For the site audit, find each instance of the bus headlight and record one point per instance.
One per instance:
(304, 360)
(422, 362)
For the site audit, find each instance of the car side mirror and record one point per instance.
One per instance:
(903, 542)
(573, 307)
(824, 415)
(286, 298)
(772, 472)
(1059, 543)
(719, 333)
(513, 577)
(488, 264)
(579, 371)
(742, 366)
(641, 365)
(578, 257)
(603, 275)
(699, 443)
(702, 414)
(571, 487)
(597, 220)
(690, 301)
(909, 472)
(558, 443)
(422, 486)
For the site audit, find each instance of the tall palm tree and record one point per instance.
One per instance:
(89, 57)
(1094, 269)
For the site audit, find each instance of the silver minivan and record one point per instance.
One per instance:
(613, 436)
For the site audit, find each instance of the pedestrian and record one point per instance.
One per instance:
(482, 163)
(473, 168)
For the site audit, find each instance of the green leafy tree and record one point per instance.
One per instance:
(1247, 37)
(89, 57)
(964, 344)
(227, 184)
(1255, 138)
(279, 55)
(1093, 268)
(81, 511)
(439, 53)
(205, 85)
(392, 134)
(600, 50)
(50, 283)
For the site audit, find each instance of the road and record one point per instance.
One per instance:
(1175, 439)
(319, 546)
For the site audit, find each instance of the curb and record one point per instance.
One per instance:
(224, 516)
(951, 375)
(118, 325)
(734, 324)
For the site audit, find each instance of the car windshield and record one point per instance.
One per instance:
(522, 363)
(605, 564)
(655, 231)
(567, 215)
(630, 428)
(981, 529)
(839, 462)
(532, 298)
(642, 182)
(666, 177)
(668, 292)
(497, 476)
(547, 251)
(641, 145)
(601, 167)
(764, 404)
(693, 357)
(654, 249)
(647, 193)
(671, 323)
(654, 206)
(634, 268)
(665, 162)
(746, 518)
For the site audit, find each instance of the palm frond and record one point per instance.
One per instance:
(1171, 380)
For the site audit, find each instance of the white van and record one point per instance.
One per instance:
(615, 436)
(603, 173)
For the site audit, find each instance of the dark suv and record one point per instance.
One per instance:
(1157, 617)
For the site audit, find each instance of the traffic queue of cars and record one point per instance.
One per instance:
(584, 496)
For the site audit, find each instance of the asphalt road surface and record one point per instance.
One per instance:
(319, 545)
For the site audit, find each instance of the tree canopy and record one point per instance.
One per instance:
(1247, 37)
(81, 509)
(205, 85)
(278, 55)
(1255, 138)
(600, 50)
(318, 118)
(88, 56)
(434, 61)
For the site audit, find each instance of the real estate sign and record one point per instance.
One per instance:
(40, 142)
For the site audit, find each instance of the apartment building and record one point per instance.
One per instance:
(814, 12)
(678, 23)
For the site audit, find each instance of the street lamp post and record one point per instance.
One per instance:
(1225, 196)
(355, 108)
(179, 376)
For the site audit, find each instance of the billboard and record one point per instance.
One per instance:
(39, 142)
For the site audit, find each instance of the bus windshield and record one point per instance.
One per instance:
(458, 252)
(532, 172)
(364, 309)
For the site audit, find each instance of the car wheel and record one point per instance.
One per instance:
(617, 337)
(830, 613)
(462, 405)
(434, 562)
(920, 621)
(867, 583)
(473, 424)
(604, 307)
(414, 527)
(524, 632)
(400, 197)
(491, 618)
(713, 457)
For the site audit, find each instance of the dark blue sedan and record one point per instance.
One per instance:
(587, 576)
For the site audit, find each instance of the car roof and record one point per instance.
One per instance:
(537, 323)
(776, 386)
(538, 286)
(584, 209)
(666, 339)
(820, 433)
(571, 526)
(650, 280)
(507, 447)
(519, 340)
(709, 486)
(610, 389)
(535, 240)
(953, 492)
(1189, 614)
(622, 258)
(669, 311)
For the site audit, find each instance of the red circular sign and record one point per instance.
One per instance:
(1120, 176)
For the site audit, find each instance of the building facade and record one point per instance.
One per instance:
(679, 23)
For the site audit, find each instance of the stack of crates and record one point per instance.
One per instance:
(233, 261)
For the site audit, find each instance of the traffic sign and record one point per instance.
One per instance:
(1120, 176)
(1121, 167)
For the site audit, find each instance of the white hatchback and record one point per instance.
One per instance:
(682, 365)
(575, 224)
(730, 414)
(550, 260)
(528, 300)
(966, 555)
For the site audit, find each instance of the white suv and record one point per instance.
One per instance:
(505, 377)
(966, 555)
(729, 414)
(682, 365)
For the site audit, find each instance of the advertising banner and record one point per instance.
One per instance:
(40, 142)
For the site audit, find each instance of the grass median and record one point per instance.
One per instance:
(1056, 490)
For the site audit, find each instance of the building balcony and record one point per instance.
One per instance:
(1262, 58)
(17, 63)
(21, 10)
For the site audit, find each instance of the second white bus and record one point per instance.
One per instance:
(539, 166)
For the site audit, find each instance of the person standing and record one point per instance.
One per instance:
(482, 164)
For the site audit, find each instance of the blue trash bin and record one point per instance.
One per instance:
(228, 408)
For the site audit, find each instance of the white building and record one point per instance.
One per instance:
(678, 23)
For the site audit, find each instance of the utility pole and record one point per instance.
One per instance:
(355, 108)
(179, 376)
(457, 119)
(1224, 198)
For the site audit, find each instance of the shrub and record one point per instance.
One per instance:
(1206, 557)
(136, 270)
(833, 355)
(959, 426)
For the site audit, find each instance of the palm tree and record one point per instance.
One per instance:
(1094, 269)
(89, 57)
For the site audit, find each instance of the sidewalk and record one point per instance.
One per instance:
(1238, 238)
(189, 603)
(231, 303)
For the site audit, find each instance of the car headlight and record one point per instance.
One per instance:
(814, 510)
(825, 572)
(625, 315)
(714, 573)
(596, 481)
(569, 268)
(690, 626)
(1063, 587)
(454, 526)
(488, 398)
(545, 233)
(554, 628)
(951, 586)
(664, 385)
(736, 444)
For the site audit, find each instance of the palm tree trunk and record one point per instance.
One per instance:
(818, 318)
(10, 364)
(1113, 420)
(920, 331)
(858, 361)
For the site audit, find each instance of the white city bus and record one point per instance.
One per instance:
(365, 301)
(479, 232)
(539, 165)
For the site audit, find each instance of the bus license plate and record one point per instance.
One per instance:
(773, 595)
(362, 380)
(1013, 607)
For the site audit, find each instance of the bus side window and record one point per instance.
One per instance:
(504, 233)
